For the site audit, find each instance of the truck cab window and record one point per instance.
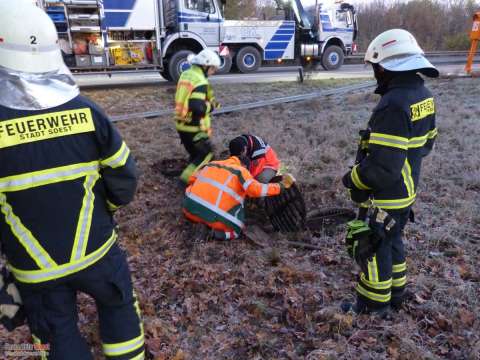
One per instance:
(205, 6)
(341, 17)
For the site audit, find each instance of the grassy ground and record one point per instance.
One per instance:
(210, 300)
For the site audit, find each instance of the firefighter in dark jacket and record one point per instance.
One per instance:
(64, 169)
(194, 101)
(400, 133)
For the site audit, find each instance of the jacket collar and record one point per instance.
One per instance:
(234, 160)
(405, 80)
(199, 69)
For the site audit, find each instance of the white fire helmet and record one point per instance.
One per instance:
(28, 38)
(205, 57)
(397, 50)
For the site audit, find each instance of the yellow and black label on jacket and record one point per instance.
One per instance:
(45, 126)
(422, 109)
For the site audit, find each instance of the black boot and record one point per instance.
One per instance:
(361, 307)
(399, 299)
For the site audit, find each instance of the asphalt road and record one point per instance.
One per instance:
(447, 66)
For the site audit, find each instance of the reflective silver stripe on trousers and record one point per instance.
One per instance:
(23, 235)
(115, 350)
(215, 209)
(84, 218)
(46, 176)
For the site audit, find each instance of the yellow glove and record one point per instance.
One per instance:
(288, 180)
(215, 105)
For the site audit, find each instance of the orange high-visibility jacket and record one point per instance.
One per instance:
(217, 191)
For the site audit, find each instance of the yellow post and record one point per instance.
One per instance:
(474, 36)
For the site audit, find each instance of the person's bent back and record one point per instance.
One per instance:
(216, 194)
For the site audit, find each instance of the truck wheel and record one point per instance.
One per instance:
(332, 58)
(226, 65)
(178, 63)
(165, 73)
(248, 59)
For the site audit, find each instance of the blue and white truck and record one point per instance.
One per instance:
(106, 35)
(322, 34)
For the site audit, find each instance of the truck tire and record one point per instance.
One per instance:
(332, 57)
(165, 73)
(248, 59)
(178, 64)
(226, 65)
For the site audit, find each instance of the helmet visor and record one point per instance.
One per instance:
(410, 62)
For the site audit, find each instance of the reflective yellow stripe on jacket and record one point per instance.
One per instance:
(36, 276)
(48, 269)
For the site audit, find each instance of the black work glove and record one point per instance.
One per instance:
(357, 195)
(347, 180)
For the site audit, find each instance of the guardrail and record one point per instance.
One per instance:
(253, 105)
(427, 54)
(358, 58)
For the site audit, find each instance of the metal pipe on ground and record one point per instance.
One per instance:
(253, 105)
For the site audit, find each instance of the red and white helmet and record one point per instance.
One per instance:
(398, 50)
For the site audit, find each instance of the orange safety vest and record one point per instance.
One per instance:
(217, 191)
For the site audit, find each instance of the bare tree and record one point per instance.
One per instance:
(437, 25)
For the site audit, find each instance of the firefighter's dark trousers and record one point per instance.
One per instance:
(199, 149)
(51, 310)
(384, 282)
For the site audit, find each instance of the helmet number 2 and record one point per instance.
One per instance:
(33, 40)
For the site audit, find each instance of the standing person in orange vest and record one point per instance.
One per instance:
(216, 193)
(262, 160)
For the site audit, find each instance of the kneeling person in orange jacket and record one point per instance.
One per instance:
(216, 194)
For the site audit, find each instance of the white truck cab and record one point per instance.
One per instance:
(108, 35)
